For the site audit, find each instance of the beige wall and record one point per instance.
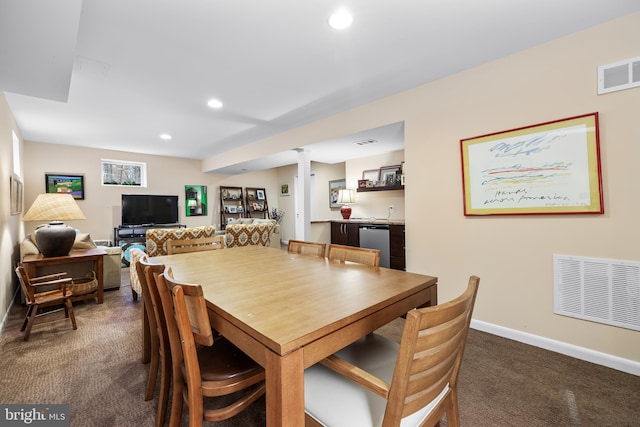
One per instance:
(10, 225)
(512, 254)
(102, 204)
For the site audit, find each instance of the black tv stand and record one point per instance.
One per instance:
(137, 233)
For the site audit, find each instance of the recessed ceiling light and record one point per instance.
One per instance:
(165, 136)
(214, 103)
(340, 20)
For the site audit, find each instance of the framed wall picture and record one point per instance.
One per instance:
(65, 183)
(195, 200)
(334, 188)
(284, 190)
(15, 187)
(372, 175)
(548, 168)
(390, 175)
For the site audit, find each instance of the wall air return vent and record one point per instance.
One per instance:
(619, 75)
(601, 290)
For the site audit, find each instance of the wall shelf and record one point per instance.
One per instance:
(384, 188)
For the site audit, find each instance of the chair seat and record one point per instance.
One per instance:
(335, 401)
(47, 297)
(224, 361)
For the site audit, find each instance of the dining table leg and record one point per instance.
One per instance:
(284, 380)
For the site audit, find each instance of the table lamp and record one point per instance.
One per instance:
(192, 206)
(346, 196)
(54, 239)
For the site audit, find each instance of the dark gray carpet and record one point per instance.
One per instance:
(97, 370)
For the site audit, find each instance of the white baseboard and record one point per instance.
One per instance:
(610, 361)
(5, 318)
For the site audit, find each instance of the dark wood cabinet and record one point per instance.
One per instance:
(345, 233)
(397, 259)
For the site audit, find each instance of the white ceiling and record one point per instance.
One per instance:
(115, 74)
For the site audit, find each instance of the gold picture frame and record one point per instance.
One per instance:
(548, 168)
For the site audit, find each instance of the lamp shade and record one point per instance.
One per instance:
(54, 239)
(54, 207)
(345, 196)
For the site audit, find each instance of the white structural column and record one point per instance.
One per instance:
(303, 196)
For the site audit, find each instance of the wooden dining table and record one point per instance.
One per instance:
(289, 311)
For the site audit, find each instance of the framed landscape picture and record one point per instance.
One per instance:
(65, 183)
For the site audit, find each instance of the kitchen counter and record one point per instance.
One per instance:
(366, 221)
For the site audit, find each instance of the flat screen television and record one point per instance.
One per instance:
(145, 209)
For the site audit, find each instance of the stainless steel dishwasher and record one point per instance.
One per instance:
(376, 236)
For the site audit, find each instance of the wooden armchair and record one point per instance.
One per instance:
(36, 300)
(375, 382)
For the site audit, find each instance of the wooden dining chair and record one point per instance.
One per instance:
(354, 254)
(160, 350)
(180, 246)
(203, 367)
(47, 298)
(307, 248)
(154, 343)
(377, 382)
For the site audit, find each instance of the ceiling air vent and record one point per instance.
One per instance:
(619, 75)
(365, 141)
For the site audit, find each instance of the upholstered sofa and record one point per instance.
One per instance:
(156, 238)
(111, 262)
(247, 231)
(156, 245)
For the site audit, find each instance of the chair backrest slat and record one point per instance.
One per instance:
(354, 254)
(179, 246)
(196, 307)
(307, 248)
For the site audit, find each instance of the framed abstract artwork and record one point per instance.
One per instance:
(548, 168)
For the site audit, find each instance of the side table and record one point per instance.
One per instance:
(31, 262)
